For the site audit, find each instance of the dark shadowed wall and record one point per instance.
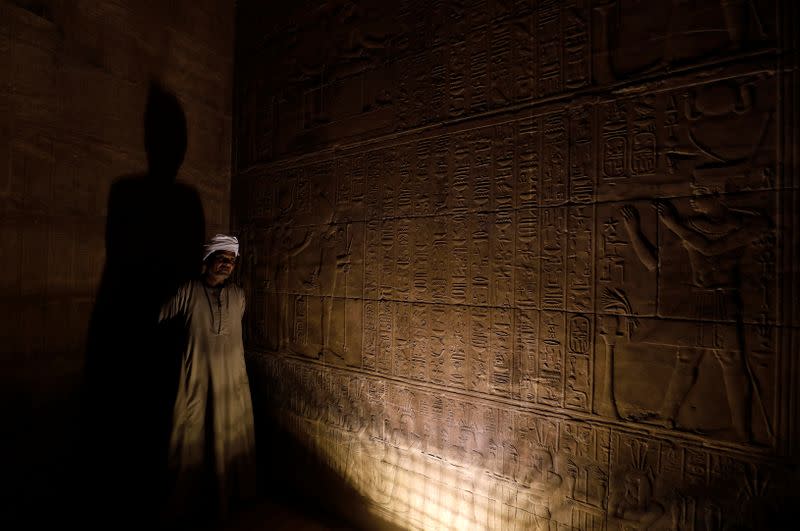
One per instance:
(74, 84)
(526, 264)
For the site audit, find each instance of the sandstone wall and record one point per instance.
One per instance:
(519, 264)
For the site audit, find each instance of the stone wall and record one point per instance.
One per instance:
(74, 83)
(520, 264)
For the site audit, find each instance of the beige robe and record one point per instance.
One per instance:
(212, 382)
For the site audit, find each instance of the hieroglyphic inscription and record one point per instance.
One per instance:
(550, 369)
(374, 254)
(350, 188)
(528, 162)
(437, 88)
(300, 328)
(527, 259)
(501, 56)
(491, 465)
(526, 354)
(403, 339)
(460, 266)
(481, 233)
(457, 76)
(555, 163)
(440, 262)
(478, 41)
(371, 335)
(502, 260)
(385, 337)
(481, 170)
(439, 343)
(577, 52)
(553, 254)
(518, 255)
(387, 259)
(458, 348)
(502, 216)
(581, 155)
(502, 351)
(422, 250)
(548, 33)
(479, 351)
(580, 347)
(461, 193)
(524, 66)
(407, 187)
(389, 184)
(424, 192)
(629, 138)
(420, 349)
(614, 140)
(503, 166)
(643, 136)
(373, 185)
(580, 258)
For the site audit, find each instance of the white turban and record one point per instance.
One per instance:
(220, 242)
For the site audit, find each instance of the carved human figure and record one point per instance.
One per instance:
(634, 505)
(741, 22)
(682, 511)
(542, 482)
(466, 460)
(379, 472)
(406, 449)
(340, 266)
(283, 249)
(356, 428)
(617, 323)
(494, 481)
(586, 484)
(714, 238)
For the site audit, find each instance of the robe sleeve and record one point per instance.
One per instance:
(175, 305)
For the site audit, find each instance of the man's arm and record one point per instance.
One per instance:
(175, 305)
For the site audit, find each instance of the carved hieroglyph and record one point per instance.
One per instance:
(566, 315)
(435, 459)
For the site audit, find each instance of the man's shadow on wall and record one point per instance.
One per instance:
(154, 234)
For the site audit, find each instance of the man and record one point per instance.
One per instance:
(212, 442)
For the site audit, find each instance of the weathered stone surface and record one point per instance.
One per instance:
(563, 235)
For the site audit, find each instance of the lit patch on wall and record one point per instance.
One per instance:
(427, 459)
(411, 488)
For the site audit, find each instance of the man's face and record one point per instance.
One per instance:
(221, 264)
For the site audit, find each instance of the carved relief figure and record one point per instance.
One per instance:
(467, 461)
(632, 504)
(406, 445)
(634, 507)
(672, 27)
(339, 266)
(714, 238)
(283, 249)
(619, 324)
(541, 481)
(712, 111)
